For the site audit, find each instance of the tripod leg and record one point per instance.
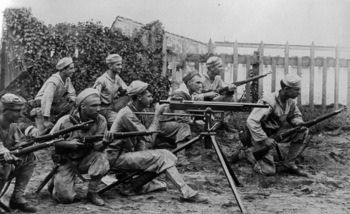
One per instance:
(228, 174)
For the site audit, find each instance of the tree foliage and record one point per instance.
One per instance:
(34, 49)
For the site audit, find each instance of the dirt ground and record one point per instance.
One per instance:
(326, 190)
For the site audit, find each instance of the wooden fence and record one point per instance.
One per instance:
(235, 63)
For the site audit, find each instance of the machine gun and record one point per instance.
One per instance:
(138, 179)
(246, 140)
(52, 136)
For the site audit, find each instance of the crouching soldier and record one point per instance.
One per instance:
(76, 157)
(135, 156)
(11, 135)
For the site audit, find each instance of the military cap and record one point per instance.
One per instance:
(12, 102)
(212, 61)
(113, 58)
(189, 76)
(64, 62)
(136, 87)
(86, 93)
(292, 80)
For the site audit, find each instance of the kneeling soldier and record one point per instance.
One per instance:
(76, 157)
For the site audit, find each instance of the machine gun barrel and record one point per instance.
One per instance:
(203, 105)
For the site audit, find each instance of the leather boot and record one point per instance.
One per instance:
(94, 198)
(197, 198)
(293, 169)
(22, 206)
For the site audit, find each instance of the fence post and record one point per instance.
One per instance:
(247, 86)
(165, 57)
(274, 74)
(324, 85)
(173, 74)
(299, 73)
(336, 79)
(261, 69)
(286, 59)
(224, 65)
(348, 104)
(235, 62)
(312, 75)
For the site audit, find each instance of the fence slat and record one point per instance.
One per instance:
(224, 65)
(261, 69)
(235, 61)
(286, 59)
(274, 74)
(336, 79)
(348, 104)
(324, 85)
(312, 77)
(247, 88)
(164, 51)
(299, 73)
(173, 69)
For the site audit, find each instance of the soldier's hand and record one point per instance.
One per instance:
(73, 144)
(160, 110)
(232, 87)
(211, 94)
(108, 137)
(302, 126)
(9, 158)
(271, 143)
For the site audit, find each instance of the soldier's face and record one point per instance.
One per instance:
(70, 70)
(218, 69)
(116, 67)
(195, 84)
(12, 115)
(146, 99)
(92, 106)
(292, 92)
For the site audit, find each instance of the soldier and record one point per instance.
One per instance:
(109, 85)
(212, 81)
(135, 156)
(13, 134)
(263, 123)
(75, 157)
(58, 95)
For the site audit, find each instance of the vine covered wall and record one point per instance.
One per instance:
(34, 49)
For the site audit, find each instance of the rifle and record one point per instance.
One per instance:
(262, 151)
(49, 137)
(30, 149)
(238, 83)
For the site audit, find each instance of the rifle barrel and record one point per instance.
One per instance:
(170, 114)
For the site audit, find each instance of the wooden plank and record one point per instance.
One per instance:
(312, 77)
(173, 74)
(299, 73)
(348, 104)
(261, 69)
(224, 65)
(164, 51)
(324, 85)
(286, 59)
(235, 62)
(247, 88)
(336, 79)
(273, 75)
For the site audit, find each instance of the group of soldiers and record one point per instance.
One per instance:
(142, 153)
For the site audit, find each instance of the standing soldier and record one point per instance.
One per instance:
(109, 84)
(74, 157)
(11, 135)
(58, 95)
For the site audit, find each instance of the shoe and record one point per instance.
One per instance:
(182, 161)
(197, 198)
(293, 169)
(24, 207)
(94, 198)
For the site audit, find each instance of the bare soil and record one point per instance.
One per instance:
(326, 190)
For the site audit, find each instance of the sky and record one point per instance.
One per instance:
(298, 22)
